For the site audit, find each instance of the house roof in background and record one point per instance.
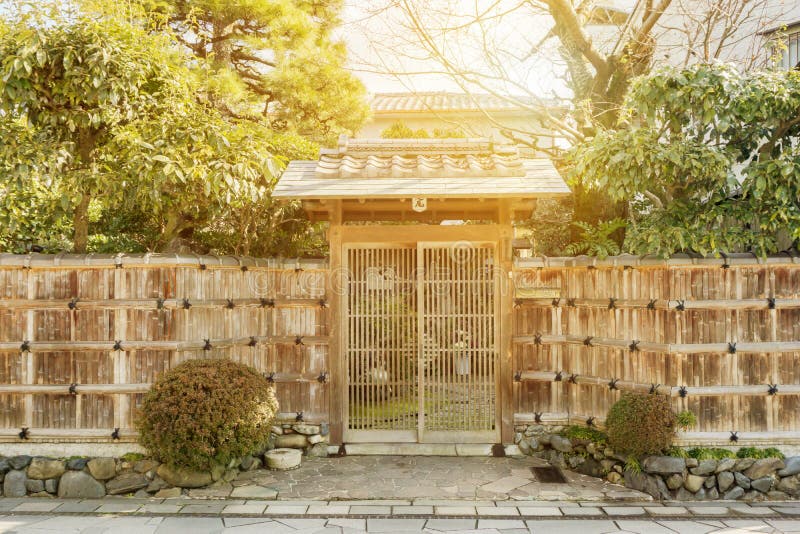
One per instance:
(384, 103)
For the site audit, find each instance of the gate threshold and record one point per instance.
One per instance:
(419, 449)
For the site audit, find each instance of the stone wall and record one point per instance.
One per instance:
(86, 478)
(667, 477)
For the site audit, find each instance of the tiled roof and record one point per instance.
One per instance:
(419, 158)
(399, 168)
(441, 101)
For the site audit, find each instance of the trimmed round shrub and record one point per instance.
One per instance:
(204, 413)
(641, 424)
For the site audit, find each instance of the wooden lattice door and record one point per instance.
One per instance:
(420, 343)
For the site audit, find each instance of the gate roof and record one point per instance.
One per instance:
(374, 170)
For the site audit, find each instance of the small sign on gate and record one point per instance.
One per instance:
(419, 204)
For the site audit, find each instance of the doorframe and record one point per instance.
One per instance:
(341, 237)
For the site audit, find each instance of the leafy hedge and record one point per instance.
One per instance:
(641, 424)
(206, 412)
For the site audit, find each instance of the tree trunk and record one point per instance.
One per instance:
(80, 223)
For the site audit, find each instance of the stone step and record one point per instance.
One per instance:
(418, 449)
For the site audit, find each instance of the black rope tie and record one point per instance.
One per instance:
(73, 304)
(683, 392)
(612, 385)
(202, 266)
(517, 303)
(322, 378)
(634, 346)
(298, 270)
(652, 304)
(518, 376)
(573, 379)
(571, 303)
(590, 421)
(253, 341)
(24, 433)
(591, 267)
(681, 305)
(207, 344)
(25, 347)
(771, 303)
(537, 417)
(725, 264)
(117, 345)
(559, 376)
(588, 341)
(186, 304)
(115, 434)
(298, 340)
(537, 338)
(271, 377)
(267, 303)
(298, 417)
(612, 303)
(773, 389)
(627, 267)
(323, 303)
(244, 268)
(159, 303)
(555, 302)
(734, 437)
(73, 388)
(731, 348)
(230, 304)
(654, 389)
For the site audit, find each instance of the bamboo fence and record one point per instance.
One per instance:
(83, 337)
(721, 337)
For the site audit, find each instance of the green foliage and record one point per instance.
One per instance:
(704, 157)
(203, 413)
(132, 457)
(400, 130)
(640, 424)
(632, 464)
(677, 452)
(753, 452)
(585, 433)
(64, 89)
(597, 240)
(709, 453)
(105, 146)
(685, 420)
(273, 60)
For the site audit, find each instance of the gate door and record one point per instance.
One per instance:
(457, 345)
(420, 343)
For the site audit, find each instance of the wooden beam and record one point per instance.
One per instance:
(505, 263)
(337, 290)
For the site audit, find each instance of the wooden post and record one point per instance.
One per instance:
(27, 357)
(505, 259)
(336, 288)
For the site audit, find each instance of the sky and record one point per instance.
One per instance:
(376, 41)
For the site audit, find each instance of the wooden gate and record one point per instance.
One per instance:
(421, 345)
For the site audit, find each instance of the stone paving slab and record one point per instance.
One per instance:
(98, 524)
(373, 508)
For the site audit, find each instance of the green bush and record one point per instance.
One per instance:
(206, 412)
(585, 433)
(686, 420)
(640, 424)
(752, 452)
(710, 453)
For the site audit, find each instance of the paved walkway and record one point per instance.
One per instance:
(411, 477)
(177, 516)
